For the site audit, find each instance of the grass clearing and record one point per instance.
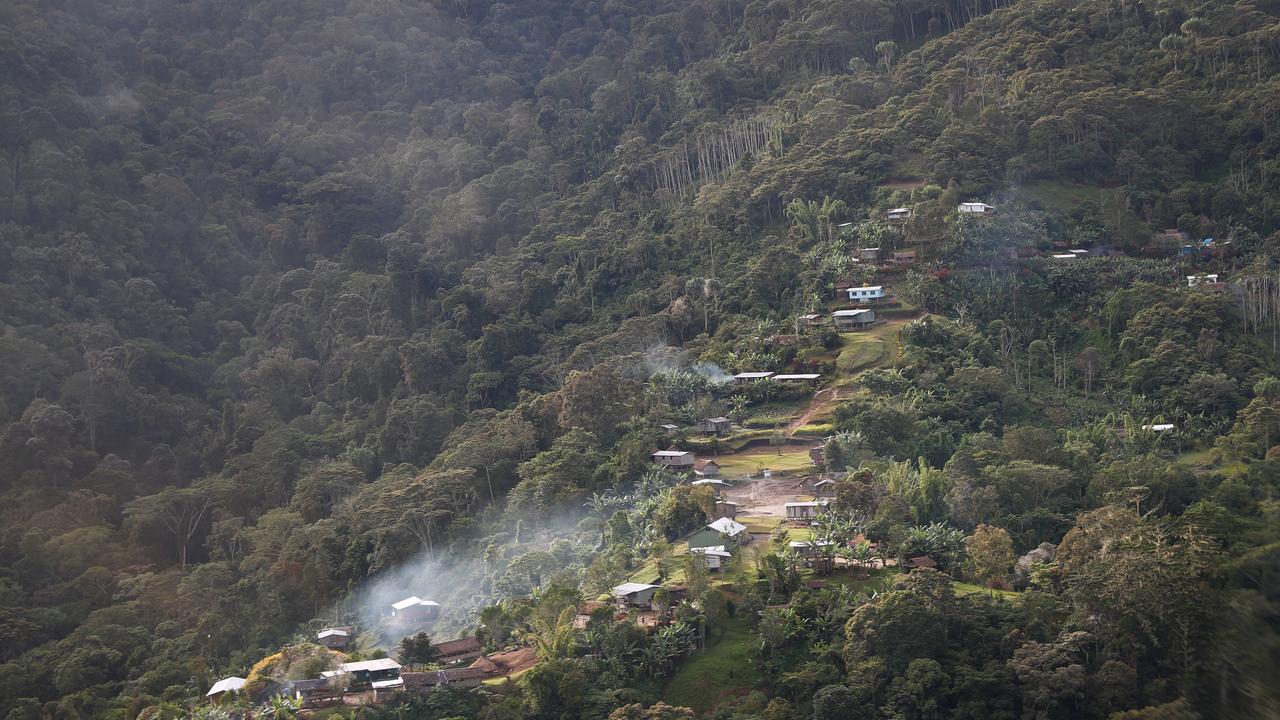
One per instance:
(794, 458)
(721, 671)
(962, 588)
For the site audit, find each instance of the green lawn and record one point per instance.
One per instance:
(723, 670)
(794, 458)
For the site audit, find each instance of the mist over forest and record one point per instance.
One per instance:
(308, 307)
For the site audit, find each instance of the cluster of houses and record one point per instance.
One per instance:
(378, 679)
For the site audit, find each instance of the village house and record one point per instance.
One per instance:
(726, 508)
(383, 672)
(810, 319)
(870, 294)
(421, 682)
(723, 531)
(871, 254)
(713, 557)
(750, 377)
(225, 687)
(899, 214)
(975, 208)
(824, 488)
(853, 319)
(336, 638)
(629, 595)
(413, 610)
(715, 425)
(904, 257)
(800, 378)
(1159, 427)
(804, 512)
(706, 469)
(669, 429)
(455, 651)
(674, 459)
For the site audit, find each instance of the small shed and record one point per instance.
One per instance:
(750, 377)
(676, 459)
(811, 319)
(1198, 280)
(726, 508)
(713, 557)
(225, 686)
(899, 214)
(335, 638)
(633, 594)
(870, 254)
(706, 469)
(715, 425)
(904, 257)
(413, 610)
(1159, 427)
(853, 319)
(824, 488)
(669, 429)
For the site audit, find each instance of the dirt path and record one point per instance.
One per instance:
(822, 400)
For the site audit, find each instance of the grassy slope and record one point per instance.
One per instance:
(723, 670)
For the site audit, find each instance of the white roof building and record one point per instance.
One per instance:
(798, 376)
(716, 550)
(363, 666)
(710, 482)
(332, 632)
(230, 684)
(976, 208)
(752, 376)
(411, 601)
(628, 588)
(1160, 427)
(725, 526)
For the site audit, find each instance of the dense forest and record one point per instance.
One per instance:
(306, 303)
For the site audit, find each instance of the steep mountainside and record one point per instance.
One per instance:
(293, 293)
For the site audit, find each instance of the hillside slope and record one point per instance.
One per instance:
(293, 294)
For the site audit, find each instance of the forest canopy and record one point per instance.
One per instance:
(298, 295)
